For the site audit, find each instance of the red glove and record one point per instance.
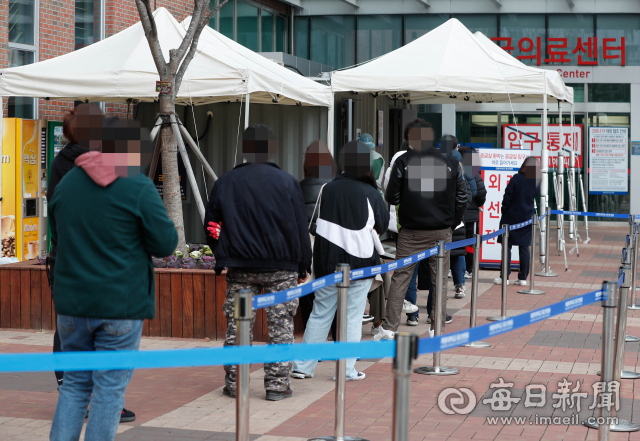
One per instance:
(214, 229)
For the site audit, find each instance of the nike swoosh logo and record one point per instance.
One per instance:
(358, 243)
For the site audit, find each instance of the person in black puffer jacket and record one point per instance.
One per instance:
(472, 215)
(318, 169)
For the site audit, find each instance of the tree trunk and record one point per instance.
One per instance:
(170, 175)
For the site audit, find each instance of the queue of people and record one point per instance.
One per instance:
(269, 231)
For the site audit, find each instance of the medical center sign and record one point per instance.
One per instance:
(529, 137)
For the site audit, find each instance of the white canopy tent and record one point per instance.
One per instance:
(121, 69)
(450, 64)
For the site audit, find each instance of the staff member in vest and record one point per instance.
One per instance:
(377, 161)
(518, 206)
(352, 215)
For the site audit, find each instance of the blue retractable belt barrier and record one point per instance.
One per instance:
(594, 214)
(103, 360)
(492, 235)
(448, 341)
(266, 300)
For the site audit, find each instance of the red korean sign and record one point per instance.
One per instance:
(558, 49)
(529, 137)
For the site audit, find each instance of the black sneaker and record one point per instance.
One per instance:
(449, 319)
(412, 321)
(127, 416)
(274, 395)
(227, 392)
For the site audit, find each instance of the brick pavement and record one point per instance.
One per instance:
(187, 404)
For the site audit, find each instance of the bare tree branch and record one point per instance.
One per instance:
(176, 55)
(151, 33)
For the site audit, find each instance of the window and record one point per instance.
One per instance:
(301, 39)
(226, 19)
(563, 33)
(578, 92)
(333, 40)
(247, 23)
(378, 35)
(609, 93)
(618, 26)
(87, 22)
(477, 128)
(527, 36)
(281, 34)
(21, 21)
(267, 31)
(485, 23)
(415, 26)
(22, 51)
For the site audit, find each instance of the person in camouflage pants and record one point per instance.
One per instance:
(279, 321)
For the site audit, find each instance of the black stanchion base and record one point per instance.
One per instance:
(333, 438)
(440, 370)
(533, 292)
(497, 318)
(620, 426)
(478, 344)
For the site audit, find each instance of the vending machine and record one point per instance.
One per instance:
(23, 223)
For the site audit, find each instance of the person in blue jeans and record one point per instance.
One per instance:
(107, 220)
(351, 216)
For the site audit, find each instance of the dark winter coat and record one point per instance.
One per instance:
(310, 187)
(437, 210)
(344, 204)
(460, 232)
(473, 210)
(60, 166)
(517, 206)
(264, 221)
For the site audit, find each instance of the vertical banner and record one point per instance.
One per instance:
(608, 160)
(10, 138)
(497, 166)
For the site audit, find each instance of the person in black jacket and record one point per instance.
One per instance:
(472, 215)
(518, 206)
(75, 127)
(318, 169)
(428, 183)
(352, 215)
(256, 225)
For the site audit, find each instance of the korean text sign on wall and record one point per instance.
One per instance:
(608, 160)
(530, 135)
(558, 49)
(497, 166)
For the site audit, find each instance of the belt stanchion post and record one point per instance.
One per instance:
(606, 376)
(474, 293)
(406, 352)
(546, 270)
(627, 259)
(584, 208)
(242, 315)
(505, 278)
(341, 364)
(436, 369)
(532, 263)
(634, 262)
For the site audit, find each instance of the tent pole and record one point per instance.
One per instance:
(156, 151)
(330, 128)
(187, 164)
(246, 110)
(560, 193)
(573, 195)
(544, 185)
(197, 152)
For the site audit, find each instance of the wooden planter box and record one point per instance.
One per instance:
(188, 303)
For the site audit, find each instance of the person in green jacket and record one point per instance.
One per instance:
(377, 161)
(107, 220)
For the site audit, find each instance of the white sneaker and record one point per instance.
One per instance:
(359, 376)
(460, 291)
(498, 281)
(383, 334)
(449, 274)
(468, 275)
(521, 282)
(408, 307)
(431, 332)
